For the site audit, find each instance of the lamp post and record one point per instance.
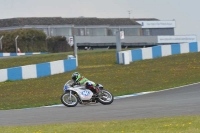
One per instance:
(118, 41)
(32, 39)
(1, 42)
(129, 12)
(75, 49)
(46, 41)
(16, 42)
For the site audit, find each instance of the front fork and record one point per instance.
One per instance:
(70, 95)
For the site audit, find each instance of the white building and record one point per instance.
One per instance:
(100, 32)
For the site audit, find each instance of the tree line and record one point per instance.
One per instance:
(31, 40)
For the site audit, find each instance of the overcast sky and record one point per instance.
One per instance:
(185, 12)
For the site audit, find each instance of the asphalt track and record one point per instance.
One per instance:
(174, 102)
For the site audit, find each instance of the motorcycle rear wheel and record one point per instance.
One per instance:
(65, 99)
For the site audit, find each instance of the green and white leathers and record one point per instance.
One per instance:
(77, 78)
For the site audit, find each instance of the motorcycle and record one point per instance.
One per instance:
(74, 94)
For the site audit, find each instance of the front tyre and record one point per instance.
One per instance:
(105, 97)
(65, 99)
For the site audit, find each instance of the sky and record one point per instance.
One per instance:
(184, 12)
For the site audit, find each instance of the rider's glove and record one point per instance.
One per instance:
(75, 83)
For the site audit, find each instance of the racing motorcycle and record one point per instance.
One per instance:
(74, 94)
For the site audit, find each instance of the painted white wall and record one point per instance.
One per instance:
(6, 54)
(20, 53)
(127, 53)
(29, 71)
(126, 59)
(185, 48)
(3, 75)
(147, 53)
(57, 67)
(36, 53)
(198, 43)
(166, 50)
(120, 57)
(130, 55)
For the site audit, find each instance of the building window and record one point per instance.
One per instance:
(79, 31)
(163, 31)
(61, 31)
(88, 32)
(99, 32)
(44, 30)
(146, 32)
(131, 31)
(96, 32)
(112, 31)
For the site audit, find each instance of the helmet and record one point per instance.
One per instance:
(76, 76)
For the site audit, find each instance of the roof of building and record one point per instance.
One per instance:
(65, 21)
(145, 19)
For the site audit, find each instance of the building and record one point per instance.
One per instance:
(100, 32)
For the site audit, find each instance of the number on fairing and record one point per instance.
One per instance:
(85, 93)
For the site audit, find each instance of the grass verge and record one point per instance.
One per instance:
(33, 59)
(186, 124)
(101, 67)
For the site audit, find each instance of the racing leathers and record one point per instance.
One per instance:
(88, 84)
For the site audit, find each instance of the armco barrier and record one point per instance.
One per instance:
(155, 52)
(18, 54)
(38, 70)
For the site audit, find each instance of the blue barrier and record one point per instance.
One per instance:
(38, 70)
(193, 47)
(18, 54)
(157, 51)
(136, 54)
(15, 73)
(176, 49)
(43, 69)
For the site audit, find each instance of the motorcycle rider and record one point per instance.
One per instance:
(81, 80)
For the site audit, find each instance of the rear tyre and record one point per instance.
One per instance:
(105, 97)
(65, 99)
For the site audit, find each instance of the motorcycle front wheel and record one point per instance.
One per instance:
(69, 102)
(105, 97)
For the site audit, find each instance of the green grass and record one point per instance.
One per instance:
(101, 67)
(34, 59)
(186, 124)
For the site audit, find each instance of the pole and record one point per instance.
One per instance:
(118, 41)
(75, 50)
(118, 45)
(32, 39)
(16, 42)
(47, 37)
(129, 12)
(1, 42)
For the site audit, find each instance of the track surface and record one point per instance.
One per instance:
(174, 102)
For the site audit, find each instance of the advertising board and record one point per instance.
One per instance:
(177, 39)
(157, 24)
